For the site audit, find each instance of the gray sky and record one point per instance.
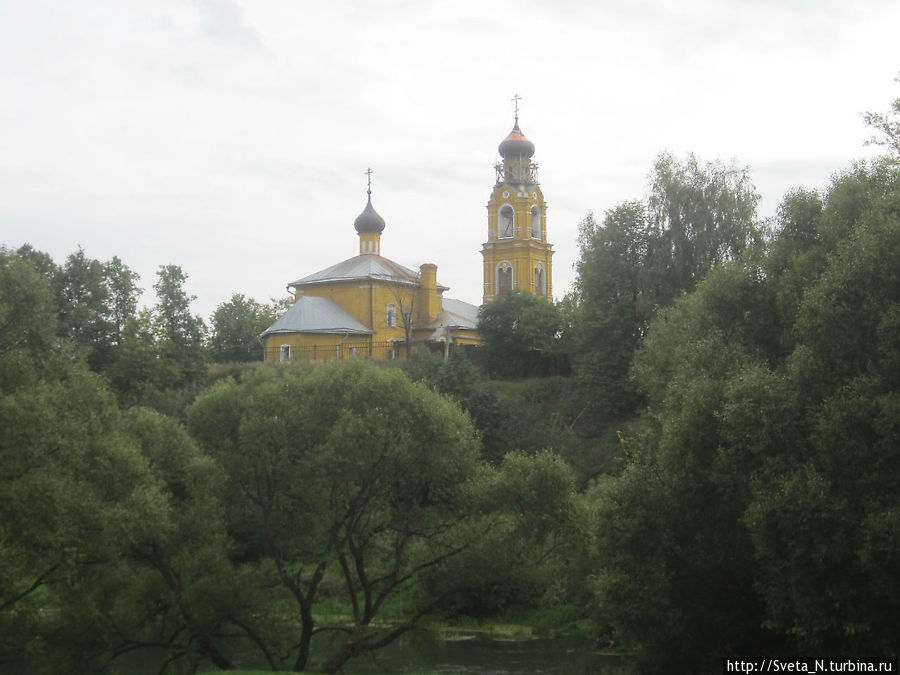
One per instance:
(231, 137)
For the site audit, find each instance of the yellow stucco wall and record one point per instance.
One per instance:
(522, 251)
(369, 302)
(316, 346)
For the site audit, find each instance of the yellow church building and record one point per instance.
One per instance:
(369, 306)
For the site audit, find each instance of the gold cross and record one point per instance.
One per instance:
(515, 99)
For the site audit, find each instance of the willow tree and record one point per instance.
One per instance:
(348, 472)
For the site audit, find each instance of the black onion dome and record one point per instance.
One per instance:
(369, 222)
(516, 144)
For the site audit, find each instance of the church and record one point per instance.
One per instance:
(369, 306)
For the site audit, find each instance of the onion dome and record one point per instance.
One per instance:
(516, 144)
(369, 222)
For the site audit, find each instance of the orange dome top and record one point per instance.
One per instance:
(516, 144)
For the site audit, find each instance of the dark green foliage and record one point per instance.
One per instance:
(347, 467)
(645, 254)
(74, 491)
(162, 359)
(520, 331)
(532, 552)
(756, 514)
(236, 327)
(887, 126)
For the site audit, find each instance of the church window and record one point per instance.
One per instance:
(504, 278)
(285, 353)
(506, 226)
(352, 351)
(391, 318)
(535, 222)
(540, 281)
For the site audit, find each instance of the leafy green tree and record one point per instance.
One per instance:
(179, 333)
(174, 587)
(887, 125)
(83, 303)
(346, 467)
(73, 490)
(162, 358)
(27, 319)
(616, 301)
(533, 554)
(236, 327)
(645, 254)
(123, 293)
(519, 330)
(93, 300)
(755, 514)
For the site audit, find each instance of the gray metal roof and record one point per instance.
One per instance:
(368, 266)
(317, 315)
(458, 314)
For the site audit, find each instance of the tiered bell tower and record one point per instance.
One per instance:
(516, 254)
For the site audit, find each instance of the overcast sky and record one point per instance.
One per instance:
(232, 137)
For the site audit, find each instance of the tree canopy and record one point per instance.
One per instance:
(763, 476)
(346, 467)
(520, 330)
(646, 253)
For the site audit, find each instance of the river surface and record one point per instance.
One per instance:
(433, 653)
(482, 655)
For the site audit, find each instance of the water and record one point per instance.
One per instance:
(433, 653)
(482, 655)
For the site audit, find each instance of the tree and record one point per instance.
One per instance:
(645, 254)
(83, 303)
(616, 300)
(179, 334)
(754, 515)
(123, 294)
(73, 490)
(236, 327)
(27, 318)
(887, 126)
(533, 553)
(346, 467)
(519, 330)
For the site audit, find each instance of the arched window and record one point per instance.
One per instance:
(285, 353)
(535, 222)
(504, 278)
(540, 280)
(506, 227)
(391, 316)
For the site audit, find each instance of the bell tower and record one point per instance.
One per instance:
(516, 253)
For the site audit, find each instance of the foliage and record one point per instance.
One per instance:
(755, 515)
(887, 126)
(236, 327)
(93, 300)
(645, 254)
(347, 466)
(27, 319)
(531, 555)
(519, 329)
(162, 361)
(74, 492)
